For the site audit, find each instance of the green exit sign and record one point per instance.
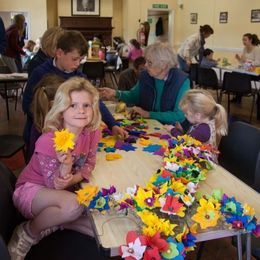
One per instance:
(161, 6)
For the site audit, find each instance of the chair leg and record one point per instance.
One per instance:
(252, 109)
(228, 103)
(114, 75)
(16, 98)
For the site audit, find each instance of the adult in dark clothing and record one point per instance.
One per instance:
(128, 78)
(160, 87)
(13, 34)
(48, 48)
(71, 48)
(3, 41)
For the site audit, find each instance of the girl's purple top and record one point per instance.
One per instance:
(44, 165)
(201, 132)
(135, 53)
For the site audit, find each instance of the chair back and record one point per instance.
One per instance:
(9, 216)
(194, 72)
(4, 69)
(237, 82)
(94, 70)
(207, 78)
(240, 153)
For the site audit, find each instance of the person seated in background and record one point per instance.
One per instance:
(249, 58)
(43, 97)
(135, 50)
(160, 87)
(28, 49)
(207, 60)
(48, 48)
(37, 45)
(129, 77)
(251, 51)
(208, 119)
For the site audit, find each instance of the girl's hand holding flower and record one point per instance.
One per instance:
(66, 163)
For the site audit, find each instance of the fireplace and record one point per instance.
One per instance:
(89, 26)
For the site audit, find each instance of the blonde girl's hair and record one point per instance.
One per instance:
(161, 53)
(44, 94)
(201, 101)
(62, 101)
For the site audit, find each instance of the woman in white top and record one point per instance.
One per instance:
(251, 51)
(193, 46)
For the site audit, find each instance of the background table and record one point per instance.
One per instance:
(6, 79)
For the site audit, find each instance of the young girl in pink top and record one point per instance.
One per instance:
(41, 193)
(135, 50)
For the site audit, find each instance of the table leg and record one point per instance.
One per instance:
(6, 101)
(258, 106)
(239, 247)
(248, 246)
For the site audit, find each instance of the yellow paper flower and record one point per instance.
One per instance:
(63, 140)
(85, 195)
(207, 215)
(144, 199)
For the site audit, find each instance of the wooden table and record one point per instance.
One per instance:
(136, 168)
(6, 79)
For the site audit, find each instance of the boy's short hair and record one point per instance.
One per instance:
(207, 52)
(139, 61)
(73, 40)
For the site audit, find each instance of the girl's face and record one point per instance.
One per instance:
(80, 112)
(246, 41)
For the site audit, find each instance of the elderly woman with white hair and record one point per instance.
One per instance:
(160, 87)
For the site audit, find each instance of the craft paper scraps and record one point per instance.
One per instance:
(113, 156)
(152, 148)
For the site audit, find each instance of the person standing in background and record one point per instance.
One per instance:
(13, 49)
(3, 41)
(193, 46)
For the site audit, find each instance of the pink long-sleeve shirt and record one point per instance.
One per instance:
(44, 165)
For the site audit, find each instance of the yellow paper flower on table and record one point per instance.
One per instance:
(85, 195)
(63, 140)
(207, 214)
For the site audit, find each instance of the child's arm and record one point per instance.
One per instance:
(90, 162)
(175, 130)
(201, 132)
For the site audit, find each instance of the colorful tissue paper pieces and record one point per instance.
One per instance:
(113, 156)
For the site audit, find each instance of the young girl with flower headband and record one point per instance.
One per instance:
(58, 163)
(208, 119)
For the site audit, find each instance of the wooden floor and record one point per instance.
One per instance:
(216, 249)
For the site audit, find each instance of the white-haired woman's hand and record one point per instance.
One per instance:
(143, 113)
(107, 93)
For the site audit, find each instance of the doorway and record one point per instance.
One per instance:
(161, 25)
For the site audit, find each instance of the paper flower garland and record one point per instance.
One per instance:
(168, 197)
(63, 140)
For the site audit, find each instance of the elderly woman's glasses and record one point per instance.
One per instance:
(149, 63)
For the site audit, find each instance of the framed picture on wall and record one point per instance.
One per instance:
(223, 17)
(194, 18)
(255, 16)
(85, 7)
